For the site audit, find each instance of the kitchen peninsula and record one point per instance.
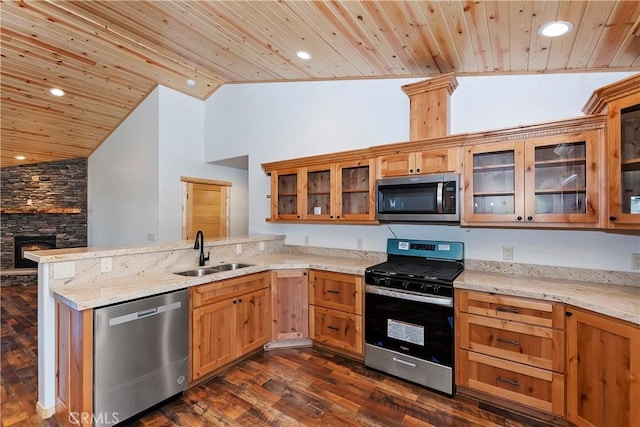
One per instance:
(86, 278)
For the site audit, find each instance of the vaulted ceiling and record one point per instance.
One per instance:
(108, 55)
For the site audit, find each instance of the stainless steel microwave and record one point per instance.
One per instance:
(418, 198)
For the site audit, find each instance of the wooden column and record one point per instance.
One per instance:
(429, 106)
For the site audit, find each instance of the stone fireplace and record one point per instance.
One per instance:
(21, 244)
(44, 205)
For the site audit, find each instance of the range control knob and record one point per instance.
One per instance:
(405, 284)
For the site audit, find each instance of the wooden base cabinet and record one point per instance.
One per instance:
(229, 319)
(290, 304)
(603, 375)
(511, 348)
(336, 302)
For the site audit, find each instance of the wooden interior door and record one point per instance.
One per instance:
(205, 207)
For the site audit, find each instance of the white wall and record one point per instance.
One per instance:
(135, 192)
(279, 121)
(123, 182)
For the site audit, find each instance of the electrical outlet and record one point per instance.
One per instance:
(359, 243)
(64, 270)
(635, 261)
(261, 246)
(239, 248)
(306, 240)
(105, 265)
(507, 252)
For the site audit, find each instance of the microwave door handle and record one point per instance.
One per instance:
(439, 197)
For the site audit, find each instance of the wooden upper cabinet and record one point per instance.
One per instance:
(286, 194)
(419, 163)
(355, 190)
(621, 103)
(550, 180)
(340, 190)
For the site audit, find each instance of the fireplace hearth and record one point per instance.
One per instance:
(30, 243)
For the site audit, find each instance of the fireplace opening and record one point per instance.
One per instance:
(30, 243)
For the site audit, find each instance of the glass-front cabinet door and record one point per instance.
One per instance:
(356, 185)
(494, 183)
(561, 179)
(319, 193)
(624, 162)
(546, 180)
(286, 197)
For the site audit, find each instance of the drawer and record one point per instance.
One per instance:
(538, 388)
(519, 342)
(217, 291)
(336, 328)
(535, 312)
(337, 291)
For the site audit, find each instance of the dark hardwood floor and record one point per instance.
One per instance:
(294, 387)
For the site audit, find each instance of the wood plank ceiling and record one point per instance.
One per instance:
(108, 55)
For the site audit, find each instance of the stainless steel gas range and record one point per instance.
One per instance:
(409, 320)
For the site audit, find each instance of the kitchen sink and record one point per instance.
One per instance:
(231, 266)
(204, 271)
(199, 272)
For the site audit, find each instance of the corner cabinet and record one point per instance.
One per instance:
(539, 181)
(229, 319)
(339, 191)
(621, 103)
(603, 370)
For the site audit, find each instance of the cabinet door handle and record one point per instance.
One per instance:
(568, 313)
(529, 218)
(333, 328)
(240, 300)
(519, 218)
(235, 302)
(417, 170)
(410, 170)
(506, 341)
(508, 310)
(329, 291)
(506, 381)
(612, 218)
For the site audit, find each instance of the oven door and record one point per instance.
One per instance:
(414, 324)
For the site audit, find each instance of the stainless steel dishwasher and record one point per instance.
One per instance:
(141, 355)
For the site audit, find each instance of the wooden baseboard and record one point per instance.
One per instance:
(529, 416)
(45, 413)
(292, 343)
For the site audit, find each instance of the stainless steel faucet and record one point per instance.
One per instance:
(200, 245)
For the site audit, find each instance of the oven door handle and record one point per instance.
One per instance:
(428, 299)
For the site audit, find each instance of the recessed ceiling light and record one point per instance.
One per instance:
(56, 92)
(190, 82)
(20, 158)
(555, 28)
(303, 55)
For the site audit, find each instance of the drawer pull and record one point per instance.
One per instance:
(333, 328)
(332, 292)
(506, 381)
(508, 310)
(506, 341)
(404, 362)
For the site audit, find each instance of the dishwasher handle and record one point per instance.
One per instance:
(142, 314)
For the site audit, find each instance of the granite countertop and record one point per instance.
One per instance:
(94, 294)
(618, 301)
(621, 302)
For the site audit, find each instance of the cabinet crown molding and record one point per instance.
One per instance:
(601, 97)
(447, 81)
